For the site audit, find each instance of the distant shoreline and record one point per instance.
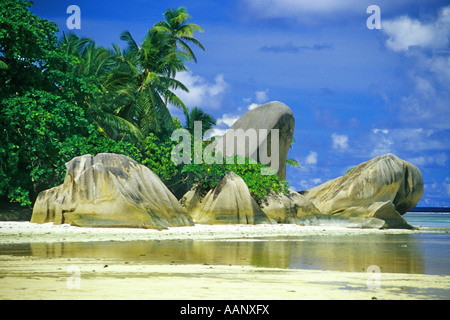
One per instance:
(430, 209)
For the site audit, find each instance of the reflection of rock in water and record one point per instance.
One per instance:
(392, 253)
(239, 252)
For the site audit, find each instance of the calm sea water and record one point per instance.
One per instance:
(429, 219)
(421, 253)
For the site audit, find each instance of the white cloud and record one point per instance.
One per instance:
(405, 32)
(216, 132)
(340, 141)
(311, 159)
(202, 93)
(401, 140)
(382, 142)
(446, 185)
(439, 159)
(261, 96)
(305, 184)
(385, 131)
(428, 103)
(227, 119)
(252, 106)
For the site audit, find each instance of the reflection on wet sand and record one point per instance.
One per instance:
(392, 253)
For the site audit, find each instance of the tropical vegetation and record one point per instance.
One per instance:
(64, 97)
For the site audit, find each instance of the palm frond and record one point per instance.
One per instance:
(3, 65)
(132, 45)
(293, 163)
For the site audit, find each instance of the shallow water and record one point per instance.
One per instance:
(420, 253)
(423, 253)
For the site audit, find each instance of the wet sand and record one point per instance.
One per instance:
(33, 278)
(52, 276)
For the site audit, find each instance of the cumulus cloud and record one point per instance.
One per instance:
(428, 103)
(252, 106)
(439, 159)
(340, 141)
(446, 185)
(405, 140)
(203, 94)
(228, 119)
(216, 132)
(381, 142)
(405, 32)
(311, 159)
(426, 44)
(261, 96)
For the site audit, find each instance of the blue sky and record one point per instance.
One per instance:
(356, 92)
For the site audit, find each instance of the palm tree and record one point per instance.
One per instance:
(144, 76)
(136, 83)
(99, 64)
(180, 32)
(292, 162)
(196, 114)
(73, 45)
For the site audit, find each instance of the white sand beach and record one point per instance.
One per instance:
(34, 277)
(26, 232)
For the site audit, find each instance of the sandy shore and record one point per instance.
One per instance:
(31, 277)
(26, 232)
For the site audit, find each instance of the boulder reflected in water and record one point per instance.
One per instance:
(400, 253)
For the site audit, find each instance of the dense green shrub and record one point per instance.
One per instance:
(207, 176)
(43, 132)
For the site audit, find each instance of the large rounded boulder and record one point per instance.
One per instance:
(230, 202)
(376, 193)
(110, 190)
(263, 134)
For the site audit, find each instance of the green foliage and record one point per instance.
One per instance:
(293, 163)
(43, 132)
(158, 157)
(197, 114)
(207, 176)
(63, 99)
(45, 119)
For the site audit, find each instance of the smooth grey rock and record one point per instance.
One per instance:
(230, 202)
(272, 115)
(110, 190)
(382, 188)
(287, 208)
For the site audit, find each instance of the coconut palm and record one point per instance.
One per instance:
(292, 162)
(196, 114)
(72, 44)
(144, 76)
(101, 65)
(180, 32)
